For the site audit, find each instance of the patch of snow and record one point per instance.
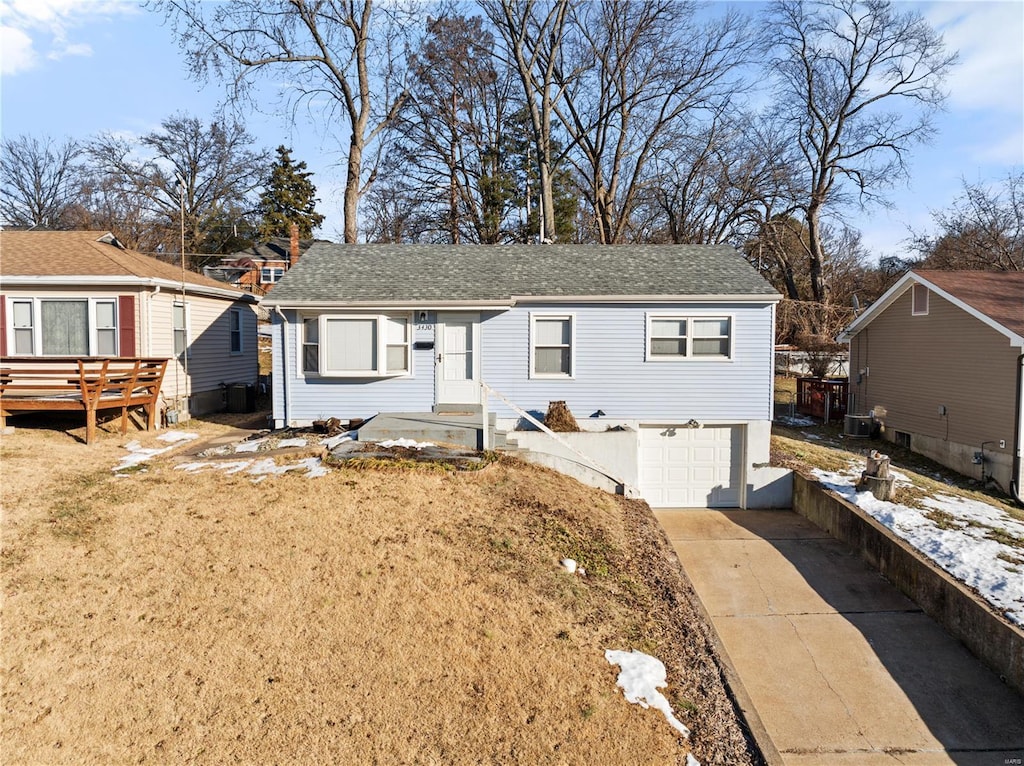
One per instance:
(299, 441)
(796, 420)
(333, 441)
(409, 443)
(177, 436)
(966, 552)
(691, 761)
(312, 466)
(640, 677)
(137, 454)
(569, 565)
(250, 446)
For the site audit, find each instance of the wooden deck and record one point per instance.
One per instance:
(51, 384)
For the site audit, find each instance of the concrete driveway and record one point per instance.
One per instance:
(835, 665)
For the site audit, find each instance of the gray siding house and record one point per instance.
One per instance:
(937, 359)
(672, 342)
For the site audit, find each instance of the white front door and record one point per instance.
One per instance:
(458, 358)
(684, 467)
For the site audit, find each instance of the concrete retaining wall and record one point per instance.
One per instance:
(964, 615)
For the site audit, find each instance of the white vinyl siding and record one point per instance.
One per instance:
(551, 346)
(675, 337)
(609, 366)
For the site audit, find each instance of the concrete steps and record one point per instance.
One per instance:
(461, 429)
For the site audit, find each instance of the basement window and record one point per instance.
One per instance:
(902, 439)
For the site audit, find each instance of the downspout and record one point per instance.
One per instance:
(149, 321)
(285, 388)
(1018, 437)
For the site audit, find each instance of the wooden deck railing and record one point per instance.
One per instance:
(88, 385)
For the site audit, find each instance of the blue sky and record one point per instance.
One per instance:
(80, 67)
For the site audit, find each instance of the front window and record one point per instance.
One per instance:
(106, 328)
(23, 327)
(552, 345)
(64, 327)
(680, 337)
(356, 346)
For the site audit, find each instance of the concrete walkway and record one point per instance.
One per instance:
(837, 665)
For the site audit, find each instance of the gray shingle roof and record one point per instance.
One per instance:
(329, 273)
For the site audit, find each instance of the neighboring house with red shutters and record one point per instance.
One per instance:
(83, 294)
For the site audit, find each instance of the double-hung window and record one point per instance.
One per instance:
(674, 337)
(356, 346)
(271, 274)
(180, 317)
(235, 330)
(64, 327)
(551, 346)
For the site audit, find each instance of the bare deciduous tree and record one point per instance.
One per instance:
(857, 84)
(39, 181)
(453, 143)
(533, 32)
(347, 53)
(983, 229)
(637, 76)
(216, 163)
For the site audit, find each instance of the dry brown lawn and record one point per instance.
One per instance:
(391, 616)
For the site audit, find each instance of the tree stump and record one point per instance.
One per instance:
(876, 477)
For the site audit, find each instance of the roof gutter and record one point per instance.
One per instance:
(508, 303)
(126, 281)
(1016, 479)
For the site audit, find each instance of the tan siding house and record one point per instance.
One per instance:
(937, 360)
(83, 294)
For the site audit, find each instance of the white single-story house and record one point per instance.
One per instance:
(83, 294)
(674, 343)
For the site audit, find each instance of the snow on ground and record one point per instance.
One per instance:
(959, 534)
(138, 455)
(640, 677)
(409, 443)
(796, 420)
(261, 469)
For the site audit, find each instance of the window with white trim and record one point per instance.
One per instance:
(24, 332)
(235, 330)
(271, 274)
(919, 300)
(64, 327)
(674, 337)
(180, 323)
(356, 346)
(551, 346)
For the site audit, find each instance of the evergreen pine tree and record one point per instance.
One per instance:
(290, 197)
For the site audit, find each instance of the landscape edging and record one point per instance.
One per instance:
(963, 614)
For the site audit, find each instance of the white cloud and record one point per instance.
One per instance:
(16, 54)
(988, 36)
(33, 29)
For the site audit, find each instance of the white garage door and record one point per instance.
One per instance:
(690, 467)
